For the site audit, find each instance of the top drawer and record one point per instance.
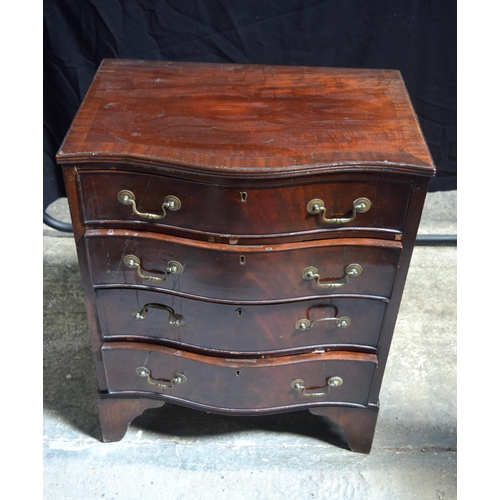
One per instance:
(160, 203)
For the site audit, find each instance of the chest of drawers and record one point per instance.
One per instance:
(244, 234)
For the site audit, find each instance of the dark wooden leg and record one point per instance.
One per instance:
(358, 424)
(116, 414)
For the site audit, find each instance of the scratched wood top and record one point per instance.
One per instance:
(248, 120)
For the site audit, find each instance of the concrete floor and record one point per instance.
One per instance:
(177, 453)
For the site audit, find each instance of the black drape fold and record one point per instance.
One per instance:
(417, 37)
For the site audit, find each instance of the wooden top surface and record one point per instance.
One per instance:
(247, 119)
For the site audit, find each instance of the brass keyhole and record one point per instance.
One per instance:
(243, 260)
(243, 196)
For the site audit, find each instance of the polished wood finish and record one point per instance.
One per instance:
(247, 120)
(241, 329)
(216, 270)
(239, 384)
(116, 414)
(263, 211)
(244, 148)
(358, 424)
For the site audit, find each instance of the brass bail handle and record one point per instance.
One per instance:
(178, 378)
(170, 202)
(173, 267)
(359, 206)
(350, 271)
(299, 385)
(173, 319)
(306, 324)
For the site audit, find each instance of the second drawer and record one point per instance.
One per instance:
(241, 273)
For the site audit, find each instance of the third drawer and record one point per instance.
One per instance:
(327, 322)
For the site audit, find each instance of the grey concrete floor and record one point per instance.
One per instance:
(177, 453)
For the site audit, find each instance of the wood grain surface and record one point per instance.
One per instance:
(254, 210)
(239, 384)
(240, 329)
(242, 273)
(245, 119)
(244, 148)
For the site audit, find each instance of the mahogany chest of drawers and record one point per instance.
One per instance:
(244, 234)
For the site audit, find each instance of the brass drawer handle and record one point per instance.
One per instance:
(299, 385)
(170, 202)
(359, 206)
(173, 319)
(173, 267)
(306, 324)
(351, 271)
(178, 378)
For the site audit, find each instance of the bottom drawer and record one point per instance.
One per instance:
(250, 384)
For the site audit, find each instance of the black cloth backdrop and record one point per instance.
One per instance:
(417, 37)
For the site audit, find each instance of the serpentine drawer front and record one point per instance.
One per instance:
(244, 272)
(329, 322)
(160, 202)
(244, 234)
(269, 383)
